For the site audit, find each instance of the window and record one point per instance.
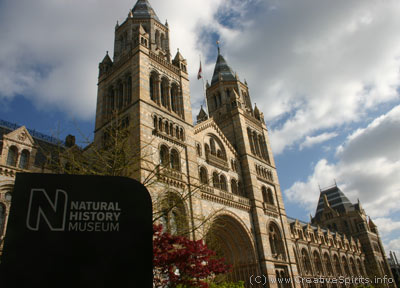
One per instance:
(306, 262)
(222, 183)
(317, 263)
(12, 156)
(24, 160)
(198, 149)
(275, 242)
(152, 94)
(267, 195)
(234, 187)
(203, 176)
(175, 162)
(164, 156)
(216, 180)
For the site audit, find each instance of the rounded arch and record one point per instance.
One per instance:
(306, 263)
(153, 89)
(338, 267)
(345, 266)
(328, 264)
(24, 159)
(174, 214)
(164, 155)
(230, 239)
(215, 179)
(317, 263)
(353, 266)
(12, 156)
(222, 182)
(275, 241)
(164, 91)
(203, 175)
(217, 148)
(234, 187)
(175, 160)
(175, 97)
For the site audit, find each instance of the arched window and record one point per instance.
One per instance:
(152, 85)
(328, 264)
(317, 263)
(241, 190)
(174, 215)
(158, 38)
(181, 134)
(24, 159)
(203, 175)
(173, 223)
(12, 156)
(270, 197)
(2, 217)
(212, 146)
(359, 268)
(267, 195)
(120, 95)
(353, 267)
(275, 242)
(129, 90)
(164, 156)
(234, 187)
(166, 127)
(198, 149)
(306, 262)
(338, 268)
(222, 183)
(216, 180)
(264, 194)
(175, 162)
(155, 122)
(174, 98)
(249, 134)
(164, 92)
(345, 266)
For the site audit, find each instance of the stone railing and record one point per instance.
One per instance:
(164, 62)
(217, 162)
(225, 198)
(171, 177)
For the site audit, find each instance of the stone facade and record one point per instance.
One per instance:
(219, 175)
(21, 150)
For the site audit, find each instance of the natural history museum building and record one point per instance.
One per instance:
(219, 173)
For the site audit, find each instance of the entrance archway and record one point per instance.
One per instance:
(230, 240)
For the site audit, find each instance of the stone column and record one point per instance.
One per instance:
(157, 88)
(169, 96)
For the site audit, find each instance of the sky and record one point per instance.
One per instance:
(326, 75)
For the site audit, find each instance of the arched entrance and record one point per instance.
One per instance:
(230, 240)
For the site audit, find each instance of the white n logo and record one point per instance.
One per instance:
(52, 209)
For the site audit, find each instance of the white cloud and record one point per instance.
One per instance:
(386, 225)
(314, 140)
(327, 63)
(51, 49)
(368, 168)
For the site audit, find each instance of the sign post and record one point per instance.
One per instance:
(78, 231)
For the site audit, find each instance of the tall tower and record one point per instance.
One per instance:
(230, 106)
(146, 88)
(337, 213)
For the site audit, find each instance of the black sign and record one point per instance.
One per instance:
(78, 231)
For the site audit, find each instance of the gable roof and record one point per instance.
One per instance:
(210, 124)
